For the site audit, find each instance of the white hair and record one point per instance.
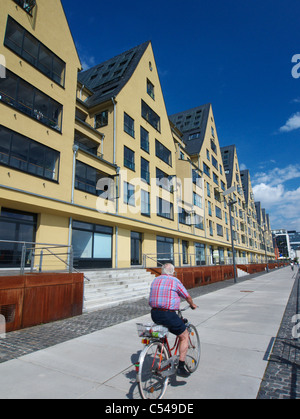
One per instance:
(168, 269)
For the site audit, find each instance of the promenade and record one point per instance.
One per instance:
(248, 350)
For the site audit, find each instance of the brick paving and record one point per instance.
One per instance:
(282, 375)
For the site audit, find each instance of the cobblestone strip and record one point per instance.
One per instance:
(282, 375)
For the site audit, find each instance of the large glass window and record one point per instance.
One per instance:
(200, 253)
(145, 203)
(144, 140)
(87, 180)
(26, 98)
(129, 158)
(165, 209)
(163, 153)
(145, 171)
(16, 227)
(165, 249)
(128, 125)
(92, 245)
(150, 116)
(27, 155)
(34, 52)
(136, 248)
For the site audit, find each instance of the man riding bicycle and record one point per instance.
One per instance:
(164, 300)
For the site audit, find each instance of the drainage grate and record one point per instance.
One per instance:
(8, 311)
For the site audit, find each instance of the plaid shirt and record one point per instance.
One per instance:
(165, 293)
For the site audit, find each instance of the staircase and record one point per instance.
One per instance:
(108, 288)
(241, 273)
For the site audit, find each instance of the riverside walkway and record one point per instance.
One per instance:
(246, 332)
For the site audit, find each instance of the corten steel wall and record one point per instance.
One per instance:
(30, 300)
(192, 277)
(199, 276)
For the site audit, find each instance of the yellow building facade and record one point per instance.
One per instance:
(92, 160)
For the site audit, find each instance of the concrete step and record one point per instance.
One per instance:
(108, 288)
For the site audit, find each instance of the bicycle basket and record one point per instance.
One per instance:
(151, 330)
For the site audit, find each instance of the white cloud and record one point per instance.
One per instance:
(277, 176)
(292, 123)
(243, 166)
(281, 203)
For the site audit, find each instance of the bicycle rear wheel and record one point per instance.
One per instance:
(152, 384)
(194, 352)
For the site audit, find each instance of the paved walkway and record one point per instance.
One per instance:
(92, 356)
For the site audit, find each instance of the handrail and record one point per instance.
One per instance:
(173, 256)
(33, 248)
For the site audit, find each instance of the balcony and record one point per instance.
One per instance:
(27, 5)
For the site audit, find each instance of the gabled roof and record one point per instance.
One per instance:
(107, 79)
(191, 123)
(245, 177)
(228, 161)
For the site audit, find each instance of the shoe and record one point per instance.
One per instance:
(182, 372)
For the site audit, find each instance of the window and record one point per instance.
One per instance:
(101, 119)
(144, 140)
(163, 180)
(150, 116)
(214, 162)
(208, 189)
(16, 227)
(211, 230)
(183, 216)
(27, 5)
(165, 209)
(129, 192)
(150, 89)
(27, 155)
(165, 249)
(209, 208)
(216, 179)
(145, 174)
(194, 136)
(87, 178)
(92, 245)
(213, 146)
(136, 248)
(145, 203)
(34, 52)
(163, 153)
(206, 169)
(197, 200)
(21, 95)
(129, 158)
(218, 212)
(128, 125)
(219, 230)
(196, 178)
(185, 249)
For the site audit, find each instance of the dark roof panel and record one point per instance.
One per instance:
(192, 123)
(107, 79)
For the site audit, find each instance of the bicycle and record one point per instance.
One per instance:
(158, 361)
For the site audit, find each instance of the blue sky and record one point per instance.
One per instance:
(235, 54)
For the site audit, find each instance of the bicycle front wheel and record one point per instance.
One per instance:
(152, 383)
(194, 352)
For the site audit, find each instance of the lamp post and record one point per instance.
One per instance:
(264, 231)
(230, 203)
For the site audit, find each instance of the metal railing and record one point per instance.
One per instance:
(36, 257)
(193, 259)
